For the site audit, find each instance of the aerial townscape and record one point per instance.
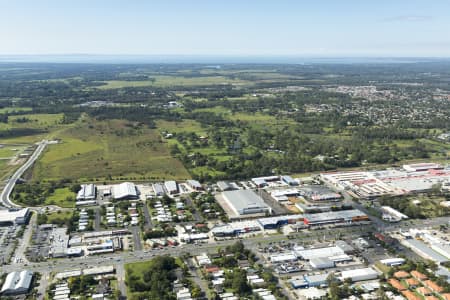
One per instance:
(202, 175)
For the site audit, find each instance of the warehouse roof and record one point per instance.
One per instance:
(124, 190)
(427, 251)
(358, 272)
(225, 186)
(245, 200)
(320, 252)
(13, 216)
(87, 191)
(17, 282)
(194, 183)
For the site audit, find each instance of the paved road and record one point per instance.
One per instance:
(136, 238)
(25, 240)
(4, 197)
(120, 274)
(139, 255)
(97, 219)
(148, 220)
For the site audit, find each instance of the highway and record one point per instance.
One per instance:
(4, 197)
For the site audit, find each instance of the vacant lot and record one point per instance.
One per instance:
(108, 150)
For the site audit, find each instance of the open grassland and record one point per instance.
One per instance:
(108, 150)
(31, 128)
(62, 197)
(182, 126)
(167, 81)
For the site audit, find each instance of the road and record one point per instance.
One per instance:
(4, 197)
(139, 255)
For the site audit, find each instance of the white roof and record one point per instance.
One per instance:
(320, 252)
(17, 282)
(124, 190)
(10, 216)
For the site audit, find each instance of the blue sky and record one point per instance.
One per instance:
(227, 27)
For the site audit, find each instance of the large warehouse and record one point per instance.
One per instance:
(244, 202)
(17, 283)
(126, 190)
(87, 192)
(14, 217)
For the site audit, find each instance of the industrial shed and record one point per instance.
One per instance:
(17, 283)
(359, 274)
(245, 202)
(87, 192)
(171, 187)
(126, 190)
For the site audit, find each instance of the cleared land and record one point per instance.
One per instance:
(108, 150)
(167, 81)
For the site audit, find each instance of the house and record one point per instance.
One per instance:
(433, 286)
(396, 284)
(412, 282)
(401, 275)
(418, 275)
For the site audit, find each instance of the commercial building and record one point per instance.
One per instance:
(424, 250)
(14, 216)
(158, 189)
(321, 263)
(391, 262)
(17, 283)
(126, 190)
(235, 228)
(359, 274)
(278, 221)
(225, 186)
(422, 167)
(245, 202)
(392, 215)
(171, 187)
(194, 184)
(87, 192)
(289, 180)
(263, 181)
(283, 257)
(335, 217)
(333, 253)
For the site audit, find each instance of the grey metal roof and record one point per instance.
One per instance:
(17, 282)
(243, 200)
(422, 247)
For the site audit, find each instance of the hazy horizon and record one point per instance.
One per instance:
(233, 28)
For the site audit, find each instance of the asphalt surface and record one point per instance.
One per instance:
(4, 197)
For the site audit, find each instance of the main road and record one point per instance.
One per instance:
(4, 197)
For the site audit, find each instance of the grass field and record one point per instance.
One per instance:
(108, 150)
(14, 109)
(167, 81)
(59, 198)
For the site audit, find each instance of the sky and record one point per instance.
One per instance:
(319, 28)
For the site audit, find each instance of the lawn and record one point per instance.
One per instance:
(60, 198)
(108, 150)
